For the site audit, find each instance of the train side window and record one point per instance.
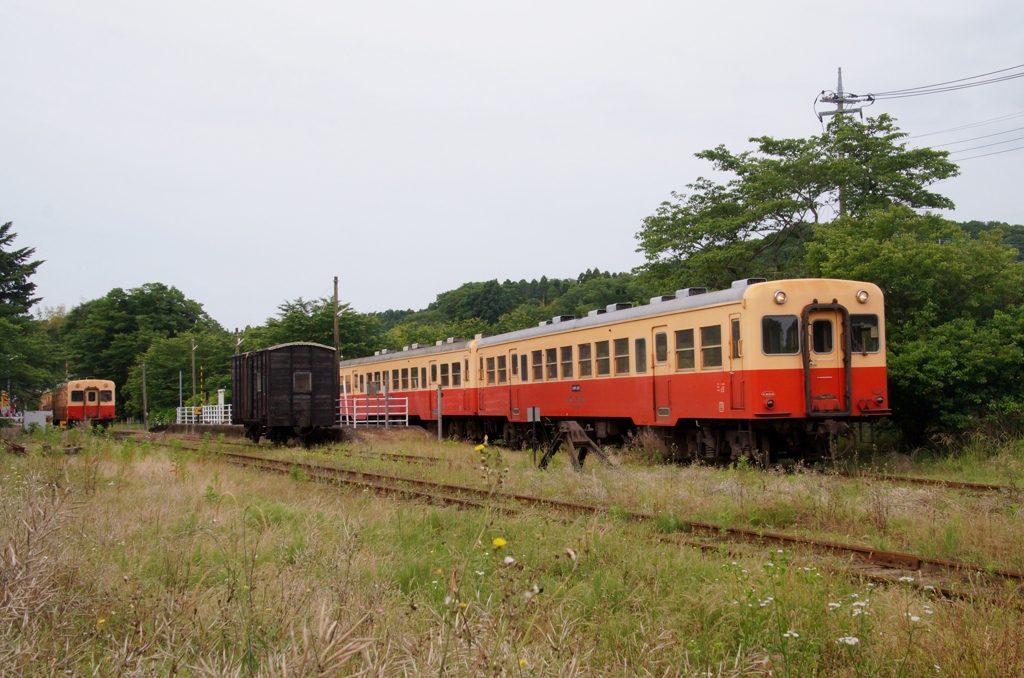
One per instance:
(405, 378)
(621, 356)
(522, 369)
(456, 374)
(567, 362)
(780, 335)
(362, 384)
(433, 373)
(821, 336)
(387, 382)
(551, 361)
(736, 338)
(106, 396)
(502, 369)
(423, 376)
(865, 333)
(604, 367)
(302, 382)
(444, 375)
(641, 356)
(466, 373)
(414, 378)
(395, 380)
(661, 348)
(711, 346)
(490, 371)
(538, 366)
(585, 364)
(92, 396)
(515, 365)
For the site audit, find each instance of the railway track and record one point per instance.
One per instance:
(935, 482)
(716, 536)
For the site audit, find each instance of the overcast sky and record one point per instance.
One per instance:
(247, 152)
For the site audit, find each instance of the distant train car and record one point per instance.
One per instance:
(760, 370)
(285, 391)
(89, 401)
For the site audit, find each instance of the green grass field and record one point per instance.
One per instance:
(144, 558)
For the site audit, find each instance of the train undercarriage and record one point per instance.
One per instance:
(711, 441)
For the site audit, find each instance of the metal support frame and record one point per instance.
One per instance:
(577, 444)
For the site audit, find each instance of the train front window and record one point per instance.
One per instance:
(585, 366)
(604, 367)
(865, 333)
(660, 348)
(456, 374)
(302, 382)
(684, 350)
(92, 396)
(780, 335)
(502, 370)
(711, 346)
(821, 336)
(78, 396)
(621, 356)
(641, 356)
(551, 361)
(106, 396)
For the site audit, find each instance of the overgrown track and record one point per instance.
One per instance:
(955, 484)
(477, 497)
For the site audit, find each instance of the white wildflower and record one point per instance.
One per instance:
(906, 579)
(849, 640)
(509, 560)
(834, 606)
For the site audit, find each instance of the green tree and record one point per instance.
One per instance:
(165, 358)
(758, 221)
(28, 362)
(103, 337)
(312, 320)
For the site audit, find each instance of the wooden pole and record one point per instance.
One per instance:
(337, 347)
(440, 437)
(145, 402)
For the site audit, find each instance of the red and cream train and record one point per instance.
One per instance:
(89, 401)
(762, 369)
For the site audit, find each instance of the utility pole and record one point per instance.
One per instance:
(193, 372)
(145, 402)
(841, 100)
(337, 347)
(180, 403)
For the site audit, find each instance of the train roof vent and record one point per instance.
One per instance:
(542, 323)
(596, 312)
(562, 318)
(483, 335)
(417, 345)
(663, 297)
(619, 306)
(376, 353)
(745, 282)
(452, 340)
(438, 343)
(691, 292)
(405, 348)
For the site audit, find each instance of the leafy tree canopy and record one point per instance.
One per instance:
(312, 320)
(758, 220)
(16, 267)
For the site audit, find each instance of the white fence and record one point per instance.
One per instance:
(378, 410)
(207, 414)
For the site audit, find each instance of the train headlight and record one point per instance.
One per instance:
(862, 296)
(770, 404)
(780, 297)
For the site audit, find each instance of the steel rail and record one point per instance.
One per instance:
(955, 484)
(891, 559)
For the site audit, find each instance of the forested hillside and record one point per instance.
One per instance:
(853, 202)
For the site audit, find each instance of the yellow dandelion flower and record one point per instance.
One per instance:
(439, 570)
(101, 621)
(498, 542)
(480, 448)
(523, 662)
(462, 605)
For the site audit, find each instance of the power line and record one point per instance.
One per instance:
(985, 155)
(974, 148)
(983, 136)
(948, 82)
(980, 123)
(940, 90)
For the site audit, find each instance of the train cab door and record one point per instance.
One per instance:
(737, 377)
(92, 403)
(661, 375)
(826, 360)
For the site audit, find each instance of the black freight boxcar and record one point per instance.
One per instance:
(285, 391)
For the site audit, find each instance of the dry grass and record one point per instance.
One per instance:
(146, 560)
